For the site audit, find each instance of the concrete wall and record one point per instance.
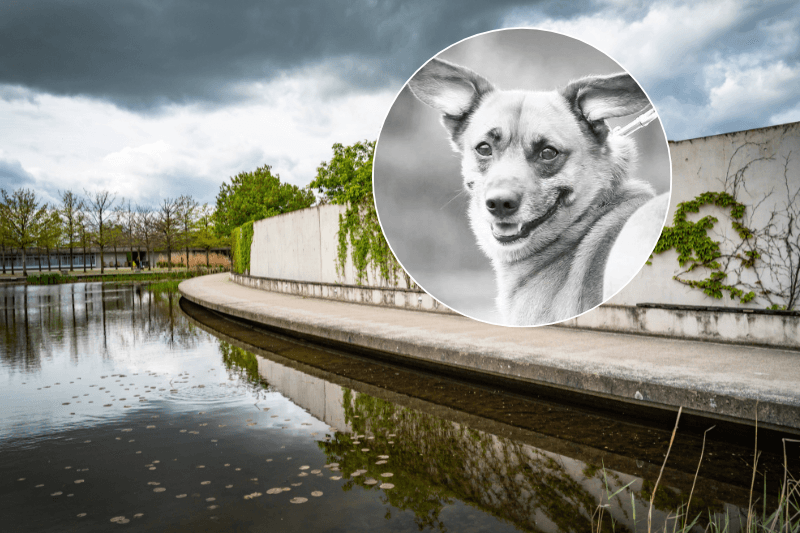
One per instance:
(760, 168)
(414, 299)
(301, 246)
(755, 166)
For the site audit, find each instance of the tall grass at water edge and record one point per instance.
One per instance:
(54, 278)
(785, 518)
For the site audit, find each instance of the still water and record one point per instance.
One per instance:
(122, 408)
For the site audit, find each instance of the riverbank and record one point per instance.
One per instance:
(712, 380)
(77, 276)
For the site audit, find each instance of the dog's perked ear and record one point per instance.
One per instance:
(453, 90)
(597, 98)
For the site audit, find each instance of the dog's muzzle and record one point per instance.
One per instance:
(508, 232)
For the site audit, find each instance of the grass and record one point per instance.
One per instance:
(53, 278)
(785, 518)
(164, 286)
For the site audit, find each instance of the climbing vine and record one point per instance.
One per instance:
(347, 180)
(696, 249)
(764, 261)
(241, 242)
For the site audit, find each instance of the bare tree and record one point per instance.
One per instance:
(24, 219)
(146, 230)
(168, 224)
(84, 232)
(99, 208)
(187, 213)
(127, 219)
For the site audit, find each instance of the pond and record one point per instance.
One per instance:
(124, 407)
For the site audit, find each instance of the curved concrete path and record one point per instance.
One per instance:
(712, 379)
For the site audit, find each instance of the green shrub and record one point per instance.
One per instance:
(242, 241)
(50, 278)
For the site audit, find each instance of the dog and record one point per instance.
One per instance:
(549, 184)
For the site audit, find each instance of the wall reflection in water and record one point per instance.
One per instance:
(436, 461)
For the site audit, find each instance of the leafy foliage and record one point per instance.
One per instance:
(255, 195)
(205, 237)
(23, 219)
(697, 249)
(241, 243)
(347, 180)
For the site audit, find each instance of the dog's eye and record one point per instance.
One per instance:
(484, 149)
(549, 153)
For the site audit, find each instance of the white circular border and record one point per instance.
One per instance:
(377, 211)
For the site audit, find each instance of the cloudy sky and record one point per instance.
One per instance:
(158, 98)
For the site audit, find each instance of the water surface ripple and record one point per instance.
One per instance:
(119, 411)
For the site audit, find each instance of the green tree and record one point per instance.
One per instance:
(5, 241)
(256, 195)
(49, 236)
(23, 218)
(206, 237)
(347, 180)
(71, 206)
(116, 237)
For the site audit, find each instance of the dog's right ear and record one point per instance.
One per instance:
(453, 90)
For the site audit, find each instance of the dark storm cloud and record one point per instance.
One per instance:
(143, 53)
(13, 176)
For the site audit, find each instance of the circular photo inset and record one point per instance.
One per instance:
(522, 177)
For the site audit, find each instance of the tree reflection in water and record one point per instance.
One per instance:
(82, 319)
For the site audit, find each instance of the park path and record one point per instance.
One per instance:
(721, 380)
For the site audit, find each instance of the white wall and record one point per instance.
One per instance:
(711, 164)
(301, 246)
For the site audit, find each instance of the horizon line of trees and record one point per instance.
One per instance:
(78, 223)
(97, 220)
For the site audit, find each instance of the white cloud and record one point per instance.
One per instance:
(745, 91)
(661, 44)
(784, 116)
(710, 65)
(78, 143)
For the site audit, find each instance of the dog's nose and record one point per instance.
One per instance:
(502, 202)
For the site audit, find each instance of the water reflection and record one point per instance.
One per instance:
(39, 321)
(118, 408)
(439, 455)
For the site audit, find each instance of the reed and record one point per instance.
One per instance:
(784, 518)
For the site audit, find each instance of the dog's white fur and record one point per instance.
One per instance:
(546, 221)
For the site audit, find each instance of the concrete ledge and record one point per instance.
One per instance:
(724, 325)
(734, 326)
(415, 299)
(722, 381)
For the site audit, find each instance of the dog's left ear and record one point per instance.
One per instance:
(597, 98)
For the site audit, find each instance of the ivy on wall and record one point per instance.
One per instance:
(758, 260)
(696, 249)
(241, 243)
(347, 180)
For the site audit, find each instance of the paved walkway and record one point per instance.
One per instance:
(715, 379)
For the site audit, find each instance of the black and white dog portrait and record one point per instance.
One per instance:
(503, 178)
